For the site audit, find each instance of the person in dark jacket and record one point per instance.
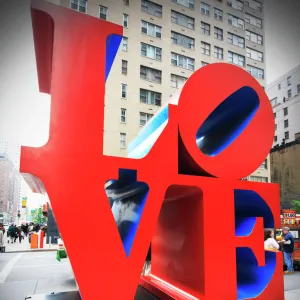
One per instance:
(288, 249)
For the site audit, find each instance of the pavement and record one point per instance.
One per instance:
(31, 273)
(24, 246)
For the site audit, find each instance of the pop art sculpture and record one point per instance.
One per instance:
(185, 167)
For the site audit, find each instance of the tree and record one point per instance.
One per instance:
(296, 206)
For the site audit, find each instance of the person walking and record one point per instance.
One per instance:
(11, 233)
(2, 231)
(288, 249)
(20, 234)
(270, 242)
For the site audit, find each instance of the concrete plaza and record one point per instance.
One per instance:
(30, 273)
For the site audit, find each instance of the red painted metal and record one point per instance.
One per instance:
(186, 241)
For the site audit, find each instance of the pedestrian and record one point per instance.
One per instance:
(1, 238)
(20, 234)
(270, 242)
(16, 233)
(2, 231)
(11, 233)
(288, 249)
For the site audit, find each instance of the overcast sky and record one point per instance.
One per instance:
(24, 113)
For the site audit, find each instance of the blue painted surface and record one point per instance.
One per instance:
(250, 204)
(251, 279)
(244, 226)
(113, 42)
(227, 121)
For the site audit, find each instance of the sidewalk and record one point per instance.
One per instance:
(24, 246)
(292, 286)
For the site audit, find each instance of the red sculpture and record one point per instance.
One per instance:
(194, 254)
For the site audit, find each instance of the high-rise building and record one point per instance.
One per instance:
(10, 179)
(164, 42)
(284, 94)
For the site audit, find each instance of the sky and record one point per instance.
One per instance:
(25, 113)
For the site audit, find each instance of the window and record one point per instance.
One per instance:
(152, 8)
(125, 44)
(258, 179)
(255, 72)
(236, 40)
(205, 28)
(218, 52)
(150, 74)
(274, 115)
(205, 48)
(79, 5)
(151, 29)
(218, 14)
(182, 61)
(254, 54)
(286, 123)
(274, 101)
(126, 2)
(125, 20)
(103, 12)
(264, 165)
(205, 8)
(124, 90)
(182, 19)
(203, 63)
(254, 4)
(236, 22)
(182, 40)
(253, 37)
(123, 115)
(275, 126)
(279, 87)
(289, 93)
(122, 140)
(150, 97)
(275, 138)
(285, 111)
(236, 59)
(289, 80)
(286, 135)
(253, 20)
(187, 3)
(236, 4)
(151, 51)
(298, 88)
(124, 67)
(218, 33)
(144, 118)
(177, 81)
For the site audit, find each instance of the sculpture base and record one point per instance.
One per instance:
(141, 294)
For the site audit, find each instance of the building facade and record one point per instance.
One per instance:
(164, 42)
(284, 94)
(285, 170)
(10, 179)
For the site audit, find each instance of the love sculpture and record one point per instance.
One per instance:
(187, 164)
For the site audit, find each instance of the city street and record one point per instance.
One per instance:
(23, 274)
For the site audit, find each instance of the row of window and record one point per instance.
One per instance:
(275, 101)
(156, 9)
(185, 20)
(153, 75)
(186, 62)
(144, 117)
(289, 83)
(286, 136)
